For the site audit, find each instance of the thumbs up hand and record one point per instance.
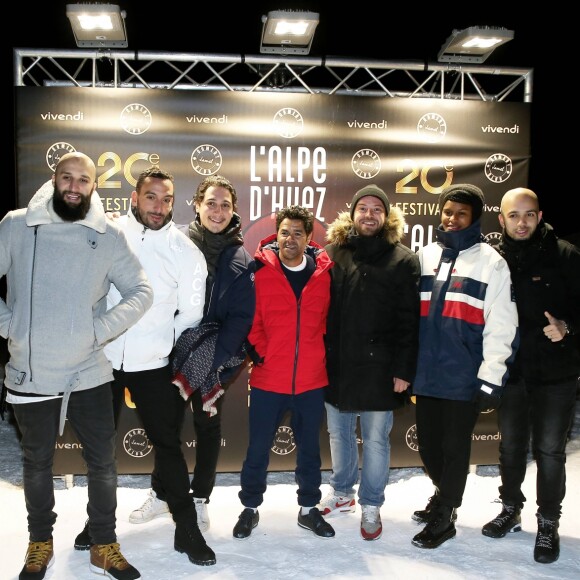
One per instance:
(556, 329)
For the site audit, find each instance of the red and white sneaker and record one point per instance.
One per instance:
(371, 526)
(337, 504)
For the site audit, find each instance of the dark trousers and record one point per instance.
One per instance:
(546, 413)
(208, 441)
(161, 409)
(444, 430)
(90, 413)
(265, 415)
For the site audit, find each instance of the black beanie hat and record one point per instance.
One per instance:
(464, 193)
(373, 190)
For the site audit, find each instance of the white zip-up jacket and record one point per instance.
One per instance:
(177, 271)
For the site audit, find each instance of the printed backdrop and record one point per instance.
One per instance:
(277, 149)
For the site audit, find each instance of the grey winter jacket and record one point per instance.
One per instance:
(58, 275)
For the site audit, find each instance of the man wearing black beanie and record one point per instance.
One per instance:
(467, 194)
(468, 334)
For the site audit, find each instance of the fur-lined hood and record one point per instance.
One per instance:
(394, 230)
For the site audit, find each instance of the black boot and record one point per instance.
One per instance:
(83, 540)
(422, 516)
(509, 520)
(439, 528)
(188, 540)
(547, 548)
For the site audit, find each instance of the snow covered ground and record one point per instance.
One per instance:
(278, 549)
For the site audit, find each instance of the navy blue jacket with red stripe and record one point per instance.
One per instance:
(468, 331)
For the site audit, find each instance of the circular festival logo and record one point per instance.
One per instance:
(288, 123)
(498, 168)
(432, 127)
(206, 160)
(136, 443)
(492, 238)
(135, 119)
(366, 163)
(56, 151)
(284, 441)
(411, 438)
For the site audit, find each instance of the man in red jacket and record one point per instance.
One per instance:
(289, 371)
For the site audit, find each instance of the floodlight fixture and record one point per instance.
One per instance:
(288, 31)
(474, 44)
(98, 25)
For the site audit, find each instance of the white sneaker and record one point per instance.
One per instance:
(202, 515)
(152, 508)
(337, 504)
(371, 526)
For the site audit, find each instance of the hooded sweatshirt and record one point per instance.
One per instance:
(373, 321)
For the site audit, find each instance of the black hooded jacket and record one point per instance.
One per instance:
(545, 274)
(373, 321)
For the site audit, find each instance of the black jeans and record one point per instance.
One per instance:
(444, 429)
(208, 441)
(546, 413)
(161, 409)
(90, 413)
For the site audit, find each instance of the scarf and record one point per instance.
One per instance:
(191, 364)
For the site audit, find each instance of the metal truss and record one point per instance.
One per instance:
(251, 73)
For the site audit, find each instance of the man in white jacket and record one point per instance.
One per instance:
(177, 271)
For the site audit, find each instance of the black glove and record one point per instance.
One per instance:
(487, 401)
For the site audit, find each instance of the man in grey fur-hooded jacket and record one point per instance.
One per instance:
(59, 273)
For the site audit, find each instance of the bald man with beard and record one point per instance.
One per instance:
(60, 255)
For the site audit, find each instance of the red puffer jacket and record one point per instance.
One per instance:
(288, 335)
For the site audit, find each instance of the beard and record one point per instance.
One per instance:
(70, 213)
(142, 218)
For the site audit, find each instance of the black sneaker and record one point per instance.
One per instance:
(547, 548)
(509, 520)
(83, 540)
(189, 540)
(314, 522)
(247, 521)
(439, 528)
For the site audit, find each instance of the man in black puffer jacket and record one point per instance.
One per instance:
(540, 395)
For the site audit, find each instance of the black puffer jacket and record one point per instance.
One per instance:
(546, 277)
(373, 322)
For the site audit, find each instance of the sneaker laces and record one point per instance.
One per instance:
(38, 553)
(507, 512)
(148, 504)
(431, 503)
(112, 554)
(371, 513)
(545, 533)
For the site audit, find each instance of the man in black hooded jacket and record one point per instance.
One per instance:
(540, 395)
